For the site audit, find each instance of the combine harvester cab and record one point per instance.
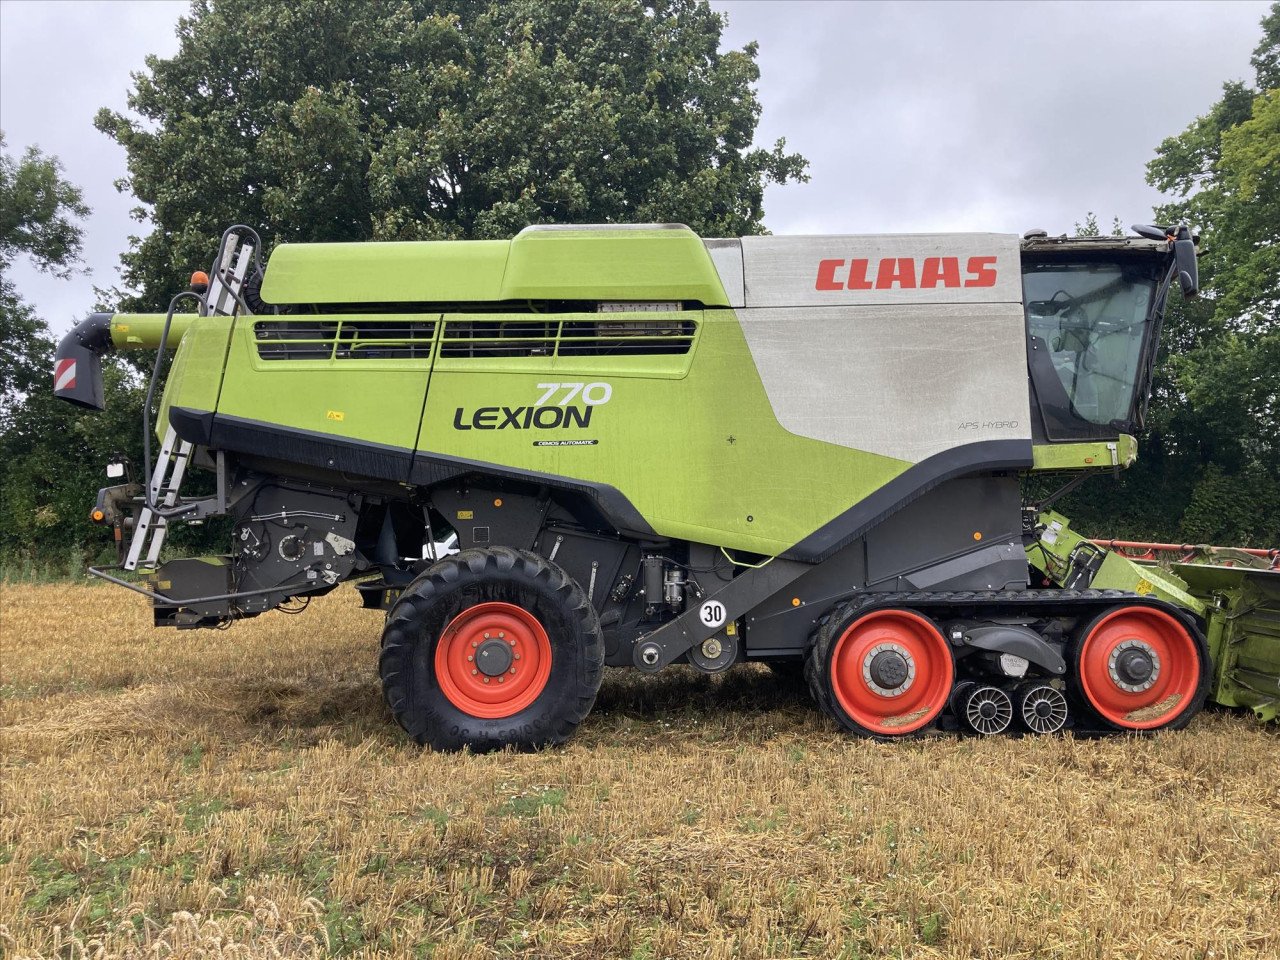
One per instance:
(645, 448)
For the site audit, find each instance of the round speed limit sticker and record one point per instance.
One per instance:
(713, 613)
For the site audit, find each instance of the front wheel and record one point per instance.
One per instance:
(491, 648)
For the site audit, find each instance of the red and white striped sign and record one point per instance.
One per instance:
(64, 375)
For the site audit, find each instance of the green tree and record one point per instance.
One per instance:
(51, 455)
(424, 119)
(39, 219)
(1091, 227)
(39, 212)
(1210, 469)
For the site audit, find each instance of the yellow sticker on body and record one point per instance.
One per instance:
(1144, 587)
(466, 515)
(335, 415)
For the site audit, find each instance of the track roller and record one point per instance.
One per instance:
(1041, 708)
(959, 694)
(987, 710)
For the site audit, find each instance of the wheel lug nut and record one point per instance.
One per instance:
(517, 656)
(513, 669)
(501, 635)
(474, 644)
(486, 679)
(469, 658)
(474, 672)
(500, 679)
(512, 642)
(486, 636)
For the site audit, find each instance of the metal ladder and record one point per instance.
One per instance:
(166, 480)
(221, 300)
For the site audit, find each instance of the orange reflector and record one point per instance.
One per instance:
(795, 601)
(977, 534)
(98, 516)
(497, 502)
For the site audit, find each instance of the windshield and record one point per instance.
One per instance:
(1091, 319)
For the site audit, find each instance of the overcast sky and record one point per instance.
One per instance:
(914, 116)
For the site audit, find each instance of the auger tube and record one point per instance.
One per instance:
(77, 363)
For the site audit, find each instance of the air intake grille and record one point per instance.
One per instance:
(348, 338)
(595, 337)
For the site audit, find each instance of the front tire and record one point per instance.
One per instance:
(491, 648)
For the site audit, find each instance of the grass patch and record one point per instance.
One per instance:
(198, 812)
(192, 757)
(104, 881)
(528, 804)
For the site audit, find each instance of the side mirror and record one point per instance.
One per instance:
(1184, 258)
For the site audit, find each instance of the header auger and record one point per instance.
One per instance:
(628, 446)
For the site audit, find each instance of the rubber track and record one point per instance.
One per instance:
(1007, 602)
(400, 634)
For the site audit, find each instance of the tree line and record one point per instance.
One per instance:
(318, 120)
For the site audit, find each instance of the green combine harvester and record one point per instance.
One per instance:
(629, 446)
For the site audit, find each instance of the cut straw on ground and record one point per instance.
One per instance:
(245, 793)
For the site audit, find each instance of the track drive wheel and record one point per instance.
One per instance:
(491, 648)
(884, 674)
(1140, 668)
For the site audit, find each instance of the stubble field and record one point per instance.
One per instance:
(245, 793)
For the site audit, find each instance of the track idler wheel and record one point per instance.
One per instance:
(885, 674)
(1041, 708)
(1140, 668)
(987, 710)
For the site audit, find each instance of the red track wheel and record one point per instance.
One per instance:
(493, 660)
(889, 672)
(1140, 668)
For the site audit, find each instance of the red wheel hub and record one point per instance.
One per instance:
(493, 660)
(1139, 667)
(891, 671)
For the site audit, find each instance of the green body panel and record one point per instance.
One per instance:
(423, 272)
(196, 373)
(690, 440)
(653, 264)
(374, 400)
(1101, 454)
